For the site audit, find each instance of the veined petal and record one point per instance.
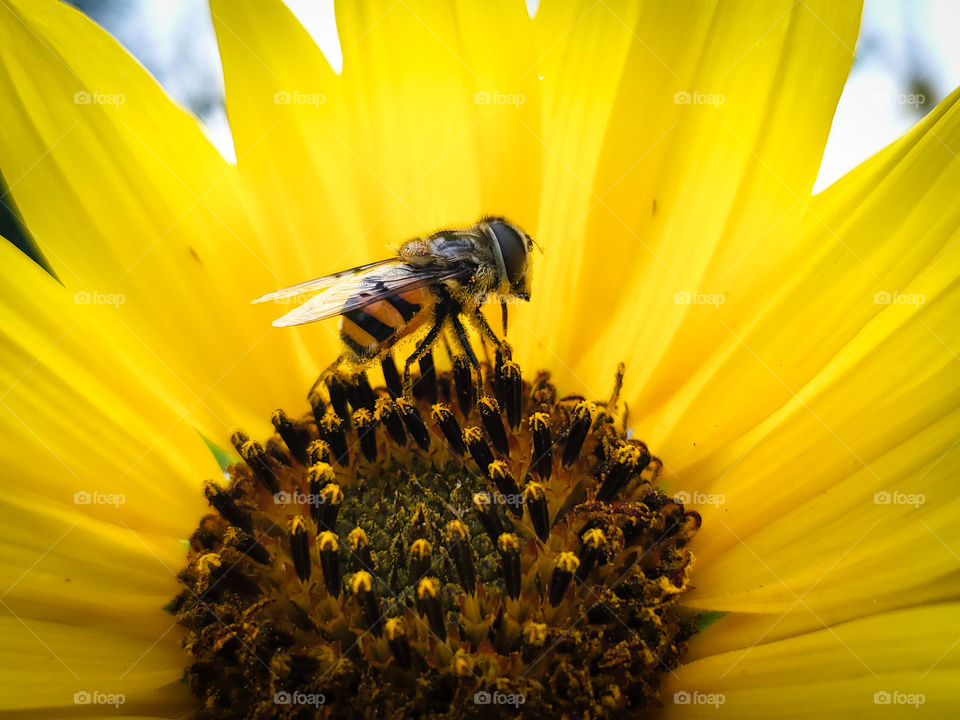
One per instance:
(738, 630)
(279, 103)
(91, 452)
(49, 666)
(852, 445)
(81, 422)
(714, 134)
(585, 53)
(59, 564)
(843, 671)
(126, 197)
(840, 256)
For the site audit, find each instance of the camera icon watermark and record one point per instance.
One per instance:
(497, 298)
(497, 97)
(699, 498)
(299, 698)
(95, 97)
(95, 697)
(84, 497)
(699, 298)
(295, 97)
(97, 297)
(298, 498)
(898, 298)
(485, 697)
(291, 299)
(510, 499)
(914, 100)
(895, 697)
(886, 497)
(686, 697)
(684, 97)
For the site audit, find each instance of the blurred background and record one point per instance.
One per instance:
(907, 59)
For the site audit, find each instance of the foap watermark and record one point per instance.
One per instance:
(484, 697)
(886, 497)
(497, 298)
(84, 497)
(895, 697)
(497, 97)
(914, 100)
(295, 97)
(97, 297)
(95, 697)
(684, 97)
(298, 498)
(95, 97)
(290, 299)
(686, 697)
(699, 298)
(898, 298)
(299, 698)
(513, 499)
(699, 498)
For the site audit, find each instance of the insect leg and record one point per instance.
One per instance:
(325, 375)
(464, 341)
(421, 350)
(484, 327)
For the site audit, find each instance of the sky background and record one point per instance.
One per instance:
(907, 60)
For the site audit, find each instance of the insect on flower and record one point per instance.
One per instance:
(430, 286)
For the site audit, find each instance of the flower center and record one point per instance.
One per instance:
(493, 545)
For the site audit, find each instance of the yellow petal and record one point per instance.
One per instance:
(713, 134)
(80, 423)
(278, 106)
(59, 564)
(738, 630)
(81, 612)
(837, 395)
(902, 661)
(126, 197)
(833, 282)
(582, 60)
(52, 669)
(101, 475)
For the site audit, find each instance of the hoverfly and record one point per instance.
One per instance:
(432, 282)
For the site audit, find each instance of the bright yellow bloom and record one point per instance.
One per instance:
(792, 359)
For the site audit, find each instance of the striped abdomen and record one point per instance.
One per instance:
(372, 329)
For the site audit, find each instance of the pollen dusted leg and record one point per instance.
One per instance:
(464, 342)
(484, 327)
(421, 349)
(332, 369)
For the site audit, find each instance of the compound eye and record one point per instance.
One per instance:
(512, 248)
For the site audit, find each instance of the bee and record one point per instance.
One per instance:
(432, 284)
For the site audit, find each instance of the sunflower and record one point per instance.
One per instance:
(791, 360)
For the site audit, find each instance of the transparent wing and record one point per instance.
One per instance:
(365, 287)
(317, 284)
